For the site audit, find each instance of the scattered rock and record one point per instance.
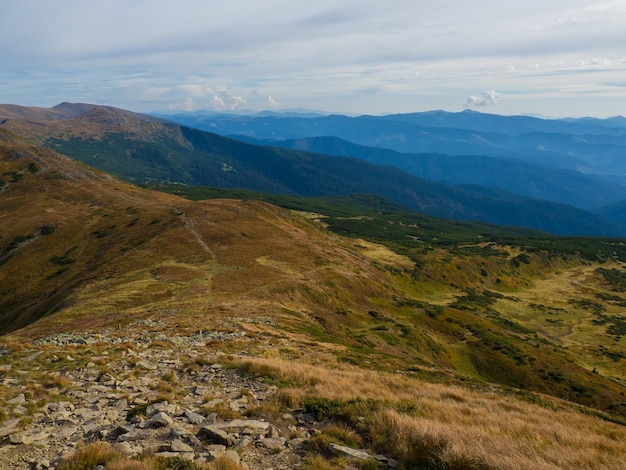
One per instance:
(18, 400)
(95, 405)
(161, 420)
(179, 446)
(215, 435)
(349, 452)
(8, 426)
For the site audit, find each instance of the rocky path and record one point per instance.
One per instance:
(143, 392)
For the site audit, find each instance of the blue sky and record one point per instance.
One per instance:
(552, 57)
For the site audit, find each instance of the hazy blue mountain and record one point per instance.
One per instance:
(511, 125)
(525, 178)
(588, 146)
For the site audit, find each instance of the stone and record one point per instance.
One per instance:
(146, 365)
(179, 446)
(349, 452)
(213, 403)
(18, 400)
(273, 444)
(20, 438)
(8, 426)
(124, 448)
(136, 435)
(161, 420)
(297, 442)
(121, 404)
(234, 456)
(253, 424)
(215, 435)
(193, 418)
(66, 431)
(210, 418)
(184, 455)
(163, 407)
(272, 432)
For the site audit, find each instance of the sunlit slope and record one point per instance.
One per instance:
(81, 249)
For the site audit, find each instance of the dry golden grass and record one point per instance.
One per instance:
(101, 453)
(444, 426)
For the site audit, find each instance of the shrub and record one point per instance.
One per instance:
(89, 457)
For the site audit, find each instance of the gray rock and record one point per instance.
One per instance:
(18, 400)
(136, 435)
(234, 456)
(193, 418)
(163, 407)
(161, 420)
(272, 432)
(184, 455)
(297, 442)
(179, 446)
(273, 444)
(146, 365)
(213, 403)
(253, 424)
(20, 438)
(349, 452)
(118, 431)
(125, 448)
(215, 435)
(121, 404)
(210, 418)
(66, 431)
(242, 443)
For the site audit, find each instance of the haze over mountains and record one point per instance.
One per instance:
(144, 149)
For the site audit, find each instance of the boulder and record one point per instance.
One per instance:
(215, 435)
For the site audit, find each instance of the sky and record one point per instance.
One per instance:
(554, 58)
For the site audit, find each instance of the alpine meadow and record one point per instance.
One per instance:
(313, 292)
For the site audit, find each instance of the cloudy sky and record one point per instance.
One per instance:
(550, 57)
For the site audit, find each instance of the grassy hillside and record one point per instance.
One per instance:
(480, 296)
(405, 339)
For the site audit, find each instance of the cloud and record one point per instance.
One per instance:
(187, 105)
(272, 103)
(487, 98)
(197, 90)
(217, 103)
(237, 102)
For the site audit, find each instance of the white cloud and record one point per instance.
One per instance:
(217, 103)
(272, 103)
(197, 90)
(237, 102)
(187, 105)
(487, 98)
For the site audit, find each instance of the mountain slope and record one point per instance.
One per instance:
(524, 178)
(147, 150)
(347, 328)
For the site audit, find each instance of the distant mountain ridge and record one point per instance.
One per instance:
(513, 175)
(588, 146)
(146, 149)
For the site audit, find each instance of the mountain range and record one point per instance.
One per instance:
(144, 149)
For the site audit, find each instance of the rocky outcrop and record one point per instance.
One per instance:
(167, 396)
